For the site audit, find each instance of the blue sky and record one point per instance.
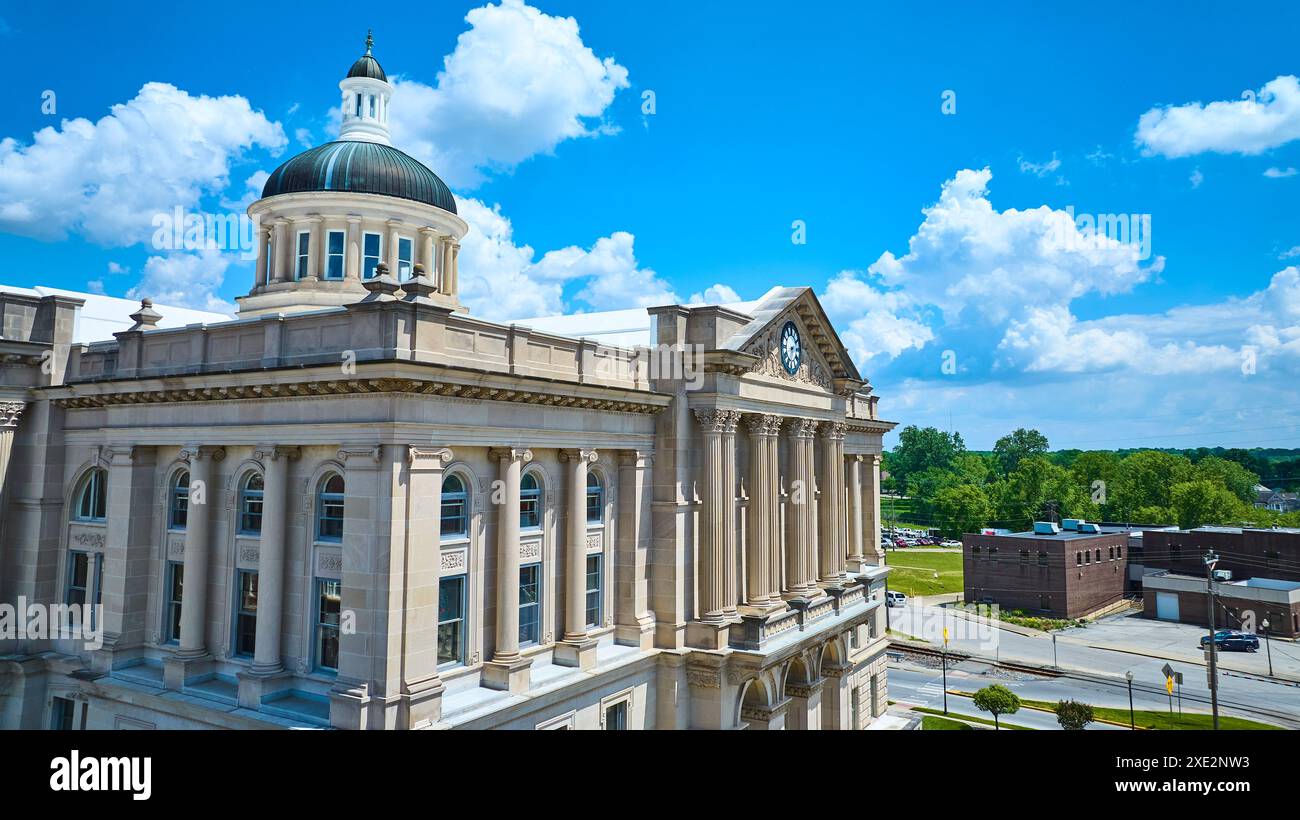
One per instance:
(830, 114)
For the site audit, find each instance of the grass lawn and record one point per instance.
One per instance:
(985, 721)
(913, 572)
(933, 722)
(1160, 720)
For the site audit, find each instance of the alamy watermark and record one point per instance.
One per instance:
(52, 622)
(182, 230)
(1100, 231)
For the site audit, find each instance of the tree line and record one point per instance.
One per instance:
(1022, 480)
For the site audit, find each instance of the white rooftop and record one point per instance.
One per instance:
(627, 328)
(102, 316)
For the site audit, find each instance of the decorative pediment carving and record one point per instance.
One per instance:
(767, 347)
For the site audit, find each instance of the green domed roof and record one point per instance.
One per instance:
(367, 65)
(360, 168)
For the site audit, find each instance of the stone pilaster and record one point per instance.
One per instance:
(634, 622)
(871, 550)
(130, 505)
(576, 649)
(508, 670)
(10, 412)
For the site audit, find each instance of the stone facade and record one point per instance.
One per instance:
(358, 506)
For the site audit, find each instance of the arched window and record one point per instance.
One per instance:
(178, 501)
(595, 499)
(455, 517)
(250, 505)
(329, 509)
(530, 502)
(92, 497)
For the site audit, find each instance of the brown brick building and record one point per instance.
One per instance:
(1246, 553)
(1067, 575)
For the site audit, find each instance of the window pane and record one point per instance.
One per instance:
(451, 620)
(80, 565)
(529, 607)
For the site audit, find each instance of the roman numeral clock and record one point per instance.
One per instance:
(791, 348)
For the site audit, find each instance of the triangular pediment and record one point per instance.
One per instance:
(824, 359)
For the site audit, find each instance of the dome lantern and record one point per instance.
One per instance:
(366, 95)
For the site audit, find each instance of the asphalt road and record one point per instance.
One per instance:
(1096, 653)
(924, 687)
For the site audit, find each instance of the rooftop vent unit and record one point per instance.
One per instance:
(1046, 528)
(1090, 529)
(1071, 524)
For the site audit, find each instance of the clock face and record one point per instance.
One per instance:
(791, 350)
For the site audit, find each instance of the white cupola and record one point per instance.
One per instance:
(366, 94)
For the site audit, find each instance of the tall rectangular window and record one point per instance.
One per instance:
(329, 601)
(335, 241)
(451, 620)
(616, 716)
(304, 254)
(78, 578)
(358, 105)
(172, 606)
(530, 604)
(593, 590)
(405, 251)
(372, 245)
(61, 712)
(246, 613)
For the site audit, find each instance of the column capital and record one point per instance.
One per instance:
(192, 452)
(10, 412)
(426, 231)
(314, 219)
(271, 452)
(717, 420)
(831, 430)
(636, 458)
(427, 458)
(589, 456)
(520, 454)
(353, 219)
(763, 424)
(801, 428)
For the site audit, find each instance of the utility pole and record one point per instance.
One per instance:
(1210, 560)
(1129, 676)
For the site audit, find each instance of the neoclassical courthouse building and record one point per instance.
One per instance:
(356, 505)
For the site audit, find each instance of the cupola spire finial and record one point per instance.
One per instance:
(370, 41)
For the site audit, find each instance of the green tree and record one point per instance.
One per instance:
(1144, 479)
(997, 700)
(1201, 502)
(920, 448)
(1020, 444)
(961, 509)
(1153, 515)
(1022, 497)
(973, 468)
(1073, 715)
(1235, 478)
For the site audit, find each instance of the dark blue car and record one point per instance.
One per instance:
(1228, 641)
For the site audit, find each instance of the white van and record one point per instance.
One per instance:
(895, 599)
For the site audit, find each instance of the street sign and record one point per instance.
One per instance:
(945, 636)
(1167, 670)
(1169, 685)
(1178, 678)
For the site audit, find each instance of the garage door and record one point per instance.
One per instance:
(1167, 606)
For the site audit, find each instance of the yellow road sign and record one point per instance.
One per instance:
(1169, 684)
(945, 634)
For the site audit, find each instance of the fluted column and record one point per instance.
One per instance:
(871, 546)
(761, 590)
(853, 465)
(194, 603)
(798, 511)
(270, 562)
(832, 505)
(811, 545)
(717, 555)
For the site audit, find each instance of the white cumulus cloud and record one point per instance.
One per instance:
(1256, 123)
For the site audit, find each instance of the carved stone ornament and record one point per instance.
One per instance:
(767, 347)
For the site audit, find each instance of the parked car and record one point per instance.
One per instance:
(895, 599)
(1228, 641)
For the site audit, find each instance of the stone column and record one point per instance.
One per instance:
(131, 497)
(634, 622)
(316, 248)
(10, 411)
(730, 557)
(761, 590)
(391, 242)
(352, 262)
(440, 266)
(853, 465)
(711, 562)
(271, 557)
(263, 259)
(194, 603)
(798, 569)
(576, 649)
(871, 547)
(427, 237)
(832, 505)
(455, 268)
(421, 686)
(508, 670)
(279, 250)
